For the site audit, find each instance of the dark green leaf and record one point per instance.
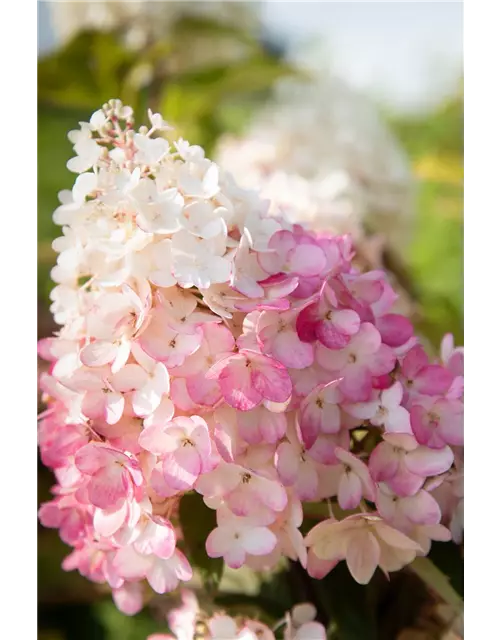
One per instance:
(197, 521)
(350, 604)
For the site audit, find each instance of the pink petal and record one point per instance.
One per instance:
(382, 361)
(130, 378)
(306, 485)
(98, 353)
(146, 399)
(362, 556)
(398, 421)
(422, 508)
(395, 538)
(356, 383)
(270, 379)
(130, 564)
(306, 323)
(384, 462)
(107, 522)
(350, 490)
(395, 329)
(307, 260)
(426, 462)
(405, 483)
(108, 486)
(258, 541)
(433, 380)
(161, 578)
(451, 427)
(182, 468)
(218, 542)
(272, 493)
(287, 463)
(420, 425)
(414, 361)
(361, 410)
(310, 419)
(238, 388)
(94, 405)
(129, 598)
(113, 407)
(317, 568)
(347, 321)
(330, 336)
(368, 339)
(392, 397)
(291, 351)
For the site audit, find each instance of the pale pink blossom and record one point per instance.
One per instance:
(300, 624)
(420, 377)
(401, 463)
(112, 474)
(405, 511)
(293, 253)
(163, 574)
(242, 489)
(278, 337)
(319, 412)
(235, 537)
(129, 598)
(185, 448)
(356, 364)
(248, 377)
(384, 411)
(168, 345)
(364, 542)
(352, 480)
(437, 422)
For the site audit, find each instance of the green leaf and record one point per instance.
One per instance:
(197, 521)
(89, 70)
(438, 582)
(351, 605)
(448, 557)
(255, 73)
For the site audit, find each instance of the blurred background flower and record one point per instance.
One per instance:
(348, 116)
(321, 153)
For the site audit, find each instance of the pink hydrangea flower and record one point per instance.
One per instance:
(385, 411)
(437, 422)
(185, 449)
(248, 377)
(325, 321)
(418, 376)
(320, 412)
(235, 537)
(112, 475)
(356, 364)
(212, 348)
(401, 463)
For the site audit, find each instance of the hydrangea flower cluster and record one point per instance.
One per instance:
(189, 622)
(206, 347)
(341, 169)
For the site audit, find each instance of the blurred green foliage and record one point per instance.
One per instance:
(434, 142)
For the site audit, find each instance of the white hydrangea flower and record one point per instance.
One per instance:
(143, 210)
(323, 157)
